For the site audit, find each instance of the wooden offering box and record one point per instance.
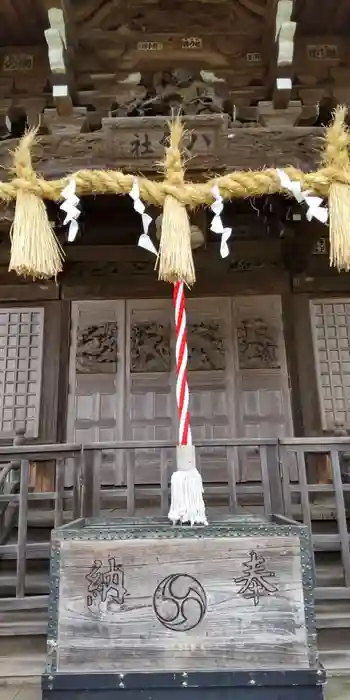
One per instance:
(143, 597)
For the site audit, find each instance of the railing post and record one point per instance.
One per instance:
(91, 483)
(275, 478)
(88, 483)
(77, 484)
(130, 481)
(18, 440)
(59, 500)
(8, 513)
(96, 486)
(22, 529)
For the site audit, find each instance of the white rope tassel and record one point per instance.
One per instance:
(217, 225)
(187, 504)
(144, 240)
(70, 206)
(315, 210)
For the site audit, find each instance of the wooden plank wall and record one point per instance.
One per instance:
(129, 623)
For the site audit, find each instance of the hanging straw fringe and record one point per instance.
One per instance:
(175, 257)
(35, 250)
(339, 226)
(337, 158)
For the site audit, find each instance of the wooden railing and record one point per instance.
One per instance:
(285, 487)
(336, 484)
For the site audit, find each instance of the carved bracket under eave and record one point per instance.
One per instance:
(274, 118)
(69, 125)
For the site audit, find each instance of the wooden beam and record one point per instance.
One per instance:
(125, 256)
(230, 149)
(265, 281)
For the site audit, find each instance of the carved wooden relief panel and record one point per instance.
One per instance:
(97, 349)
(257, 344)
(206, 350)
(184, 18)
(150, 347)
(151, 351)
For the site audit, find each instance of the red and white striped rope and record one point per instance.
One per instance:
(182, 393)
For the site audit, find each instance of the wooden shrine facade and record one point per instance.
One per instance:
(77, 67)
(91, 357)
(256, 82)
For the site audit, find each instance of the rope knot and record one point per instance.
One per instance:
(173, 165)
(22, 158)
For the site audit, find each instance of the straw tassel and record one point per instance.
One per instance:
(337, 158)
(175, 257)
(35, 250)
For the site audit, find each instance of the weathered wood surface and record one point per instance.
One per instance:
(228, 631)
(245, 148)
(137, 57)
(137, 391)
(118, 271)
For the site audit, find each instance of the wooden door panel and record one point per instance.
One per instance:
(210, 376)
(150, 409)
(209, 421)
(262, 387)
(97, 379)
(123, 379)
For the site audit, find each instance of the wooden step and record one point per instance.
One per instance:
(332, 614)
(22, 657)
(36, 583)
(23, 628)
(34, 550)
(329, 620)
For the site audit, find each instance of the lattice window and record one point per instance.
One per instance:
(21, 340)
(331, 337)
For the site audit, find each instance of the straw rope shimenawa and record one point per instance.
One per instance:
(35, 250)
